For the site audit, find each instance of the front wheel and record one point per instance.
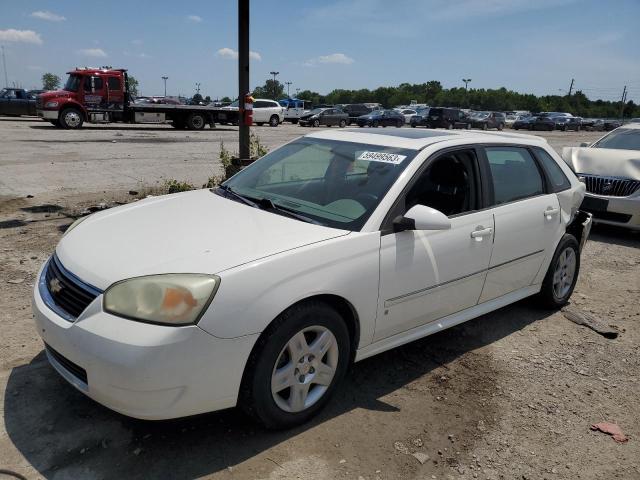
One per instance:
(561, 277)
(274, 121)
(399, 123)
(71, 118)
(375, 124)
(316, 123)
(296, 365)
(342, 124)
(500, 126)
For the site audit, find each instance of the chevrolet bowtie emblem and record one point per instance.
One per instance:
(55, 286)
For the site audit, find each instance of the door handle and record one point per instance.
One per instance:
(481, 232)
(550, 211)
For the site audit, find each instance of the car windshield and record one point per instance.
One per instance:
(621, 139)
(377, 113)
(73, 83)
(3, 92)
(422, 111)
(331, 183)
(480, 114)
(316, 111)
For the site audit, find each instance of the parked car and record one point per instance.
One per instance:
(328, 250)
(420, 118)
(568, 123)
(611, 171)
(524, 123)
(510, 119)
(544, 122)
(592, 124)
(17, 101)
(355, 110)
(384, 118)
(486, 120)
(448, 118)
(293, 109)
(264, 111)
(611, 124)
(407, 113)
(324, 116)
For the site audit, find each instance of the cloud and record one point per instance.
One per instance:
(49, 16)
(194, 18)
(232, 54)
(339, 58)
(24, 36)
(93, 52)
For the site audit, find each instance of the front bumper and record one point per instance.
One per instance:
(48, 114)
(141, 370)
(619, 211)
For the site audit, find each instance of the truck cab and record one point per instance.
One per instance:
(294, 108)
(90, 94)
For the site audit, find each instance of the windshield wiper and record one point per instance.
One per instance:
(242, 198)
(267, 204)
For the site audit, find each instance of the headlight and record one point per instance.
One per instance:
(171, 299)
(75, 224)
(51, 104)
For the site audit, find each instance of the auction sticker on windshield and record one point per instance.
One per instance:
(383, 157)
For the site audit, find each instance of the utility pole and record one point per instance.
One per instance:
(466, 82)
(243, 76)
(571, 87)
(274, 84)
(165, 84)
(288, 84)
(297, 92)
(622, 101)
(197, 87)
(4, 67)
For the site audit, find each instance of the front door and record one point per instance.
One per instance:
(427, 275)
(115, 93)
(527, 221)
(95, 95)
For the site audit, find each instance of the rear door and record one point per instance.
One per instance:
(527, 219)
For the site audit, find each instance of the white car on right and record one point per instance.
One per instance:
(610, 168)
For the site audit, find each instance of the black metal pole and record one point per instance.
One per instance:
(243, 75)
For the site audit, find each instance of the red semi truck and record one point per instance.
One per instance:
(101, 95)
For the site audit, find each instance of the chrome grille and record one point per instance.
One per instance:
(63, 292)
(610, 186)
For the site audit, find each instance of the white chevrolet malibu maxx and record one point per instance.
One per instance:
(335, 247)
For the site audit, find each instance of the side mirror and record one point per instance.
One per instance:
(421, 217)
(585, 144)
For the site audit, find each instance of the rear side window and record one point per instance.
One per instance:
(260, 104)
(558, 179)
(515, 174)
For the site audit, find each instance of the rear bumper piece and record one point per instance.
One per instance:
(586, 219)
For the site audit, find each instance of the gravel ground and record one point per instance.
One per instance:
(510, 395)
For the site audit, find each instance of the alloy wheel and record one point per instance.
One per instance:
(72, 119)
(304, 369)
(564, 273)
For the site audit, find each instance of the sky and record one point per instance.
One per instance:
(530, 46)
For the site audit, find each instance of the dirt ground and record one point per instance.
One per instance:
(510, 395)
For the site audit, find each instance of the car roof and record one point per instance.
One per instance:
(417, 139)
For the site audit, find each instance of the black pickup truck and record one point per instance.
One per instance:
(17, 101)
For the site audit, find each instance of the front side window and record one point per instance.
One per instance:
(113, 83)
(514, 173)
(336, 184)
(73, 83)
(620, 139)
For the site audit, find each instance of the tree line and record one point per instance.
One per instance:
(434, 94)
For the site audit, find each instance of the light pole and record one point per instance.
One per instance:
(297, 92)
(197, 87)
(288, 84)
(466, 82)
(4, 67)
(274, 83)
(165, 85)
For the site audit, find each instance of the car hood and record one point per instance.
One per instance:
(191, 232)
(603, 161)
(307, 115)
(55, 94)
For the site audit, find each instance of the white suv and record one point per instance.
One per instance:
(267, 111)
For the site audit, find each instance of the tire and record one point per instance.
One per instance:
(399, 123)
(374, 124)
(449, 126)
(71, 118)
(342, 123)
(578, 128)
(413, 125)
(561, 277)
(196, 121)
(500, 127)
(276, 407)
(316, 123)
(274, 121)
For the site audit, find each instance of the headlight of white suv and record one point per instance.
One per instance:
(170, 299)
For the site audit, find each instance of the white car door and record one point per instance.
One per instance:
(527, 220)
(426, 275)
